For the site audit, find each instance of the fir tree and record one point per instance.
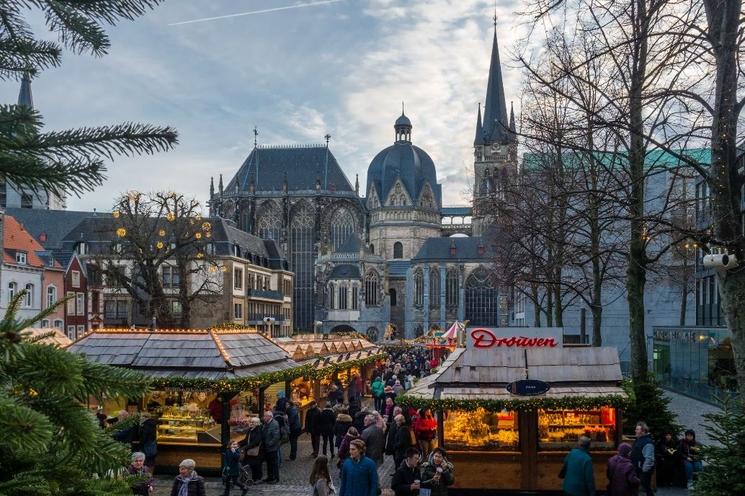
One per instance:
(70, 161)
(648, 403)
(50, 443)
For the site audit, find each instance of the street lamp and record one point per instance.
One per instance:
(269, 321)
(317, 324)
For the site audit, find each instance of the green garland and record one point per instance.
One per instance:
(570, 402)
(230, 385)
(331, 368)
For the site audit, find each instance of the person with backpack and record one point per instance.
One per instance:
(378, 391)
(622, 479)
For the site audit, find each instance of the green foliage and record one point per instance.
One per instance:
(50, 444)
(71, 161)
(724, 474)
(648, 403)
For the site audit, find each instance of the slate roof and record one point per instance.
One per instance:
(15, 239)
(466, 249)
(398, 268)
(269, 166)
(456, 211)
(496, 121)
(189, 353)
(351, 245)
(53, 224)
(345, 271)
(409, 163)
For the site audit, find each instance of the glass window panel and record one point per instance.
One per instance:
(480, 430)
(560, 429)
(482, 298)
(302, 257)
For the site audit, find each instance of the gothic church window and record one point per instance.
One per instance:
(302, 256)
(342, 297)
(482, 298)
(332, 297)
(269, 225)
(371, 289)
(451, 288)
(398, 250)
(342, 226)
(418, 288)
(434, 288)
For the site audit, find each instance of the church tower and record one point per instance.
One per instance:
(495, 143)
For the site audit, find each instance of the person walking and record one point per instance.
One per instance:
(144, 484)
(359, 474)
(437, 473)
(293, 419)
(232, 469)
(374, 439)
(320, 479)
(378, 391)
(642, 456)
(403, 441)
(407, 478)
(327, 421)
(579, 479)
(270, 439)
(341, 426)
(148, 439)
(188, 482)
(343, 453)
(425, 429)
(690, 452)
(622, 478)
(313, 426)
(252, 449)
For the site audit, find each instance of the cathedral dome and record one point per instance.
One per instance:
(405, 163)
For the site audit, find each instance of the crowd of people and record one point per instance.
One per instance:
(630, 471)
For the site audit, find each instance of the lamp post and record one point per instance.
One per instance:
(316, 325)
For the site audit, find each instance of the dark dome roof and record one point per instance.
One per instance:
(402, 121)
(410, 163)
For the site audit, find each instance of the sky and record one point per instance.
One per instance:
(340, 67)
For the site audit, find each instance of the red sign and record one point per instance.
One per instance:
(484, 338)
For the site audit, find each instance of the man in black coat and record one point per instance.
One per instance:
(326, 422)
(406, 480)
(313, 426)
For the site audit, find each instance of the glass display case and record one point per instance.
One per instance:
(302, 392)
(480, 430)
(345, 376)
(560, 429)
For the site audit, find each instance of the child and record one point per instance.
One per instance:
(232, 470)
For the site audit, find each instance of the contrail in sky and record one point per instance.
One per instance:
(254, 12)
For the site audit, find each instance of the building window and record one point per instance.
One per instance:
(398, 250)
(355, 295)
(481, 298)
(115, 309)
(80, 303)
(27, 200)
(58, 324)
(75, 278)
(237, 310)
(451, 289)
(372, 248)
(175, 307)
(342, 226)
(51, 296)
(342, 297)
(393, 295)
(238, 278)
(28, 300)
(71, 332)
(434, 288)
(171, 277)
(21, 257)
(418, 288)
(81, 248)
(371, 289)
(12, 291)
(332, 296)
(70, 296)
(302, 254)
(45, 323)
(269, 223)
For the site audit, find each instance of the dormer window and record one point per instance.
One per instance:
(21, 257)
(82, 248)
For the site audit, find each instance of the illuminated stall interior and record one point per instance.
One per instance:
(504, 441)
(206, 383)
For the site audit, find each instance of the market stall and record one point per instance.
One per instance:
(509, 409)
(206, 384)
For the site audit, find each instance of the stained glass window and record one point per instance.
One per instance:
(269, 225)
(482, 298)
(371, 289)
(302, 255)
(434, 288)
(451, 288)
(342, 225)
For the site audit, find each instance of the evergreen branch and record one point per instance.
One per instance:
(55, 177)
(22, 428)
(76, 31)
(26, 55)
(109, 12)
(99, 379)
(60, 377)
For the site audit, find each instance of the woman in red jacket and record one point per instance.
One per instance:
(425, 428)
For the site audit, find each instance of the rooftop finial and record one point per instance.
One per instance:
(256, 136)
(327, 137)
(402, 108)
(495, 16)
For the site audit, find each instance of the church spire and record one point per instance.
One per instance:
(495, 109)
(220, 185)
(513, 129)
(24, 96)
(212, 186)
(479, 139)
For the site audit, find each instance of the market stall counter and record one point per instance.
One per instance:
(508, 415)
(206, 384)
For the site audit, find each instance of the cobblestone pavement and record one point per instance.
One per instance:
(294, 474)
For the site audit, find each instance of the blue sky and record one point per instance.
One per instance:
(296, 74)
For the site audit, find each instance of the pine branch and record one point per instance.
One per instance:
(22, 428)
(26, 55)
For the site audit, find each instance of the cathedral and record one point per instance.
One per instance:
(390, 257)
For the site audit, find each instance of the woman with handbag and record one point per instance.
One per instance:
(252, 448)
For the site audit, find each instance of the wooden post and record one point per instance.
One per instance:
(262, 389)
(527, 422)
(224, 425)
(288, 390)
(440, 430)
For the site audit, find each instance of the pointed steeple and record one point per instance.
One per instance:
(357, 184)
(24, 96)
(220, 185)
(212, 186)
(479, 139)
(512, 120)
(495, 109)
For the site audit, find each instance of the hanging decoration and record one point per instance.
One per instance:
(492, 405)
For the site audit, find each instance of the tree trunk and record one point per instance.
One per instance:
(597, 320)
(549, 307)
(536, 305)
(558, 305)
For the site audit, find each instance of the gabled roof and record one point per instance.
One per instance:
(269, 166)
(15, 239)
(50, 227)
(208, 354)
(344, 272)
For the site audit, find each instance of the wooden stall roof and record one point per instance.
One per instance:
(307, 347)
(485, 373)
(52, 335)
(193, 353)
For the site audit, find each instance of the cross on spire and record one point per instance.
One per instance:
(256, 136)
(328, 137)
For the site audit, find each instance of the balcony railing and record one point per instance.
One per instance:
(267, 294)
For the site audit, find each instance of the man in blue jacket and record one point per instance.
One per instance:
(579, 479)
(642, 456)
(359, 474)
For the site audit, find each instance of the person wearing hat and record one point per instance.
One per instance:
(622, 478)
